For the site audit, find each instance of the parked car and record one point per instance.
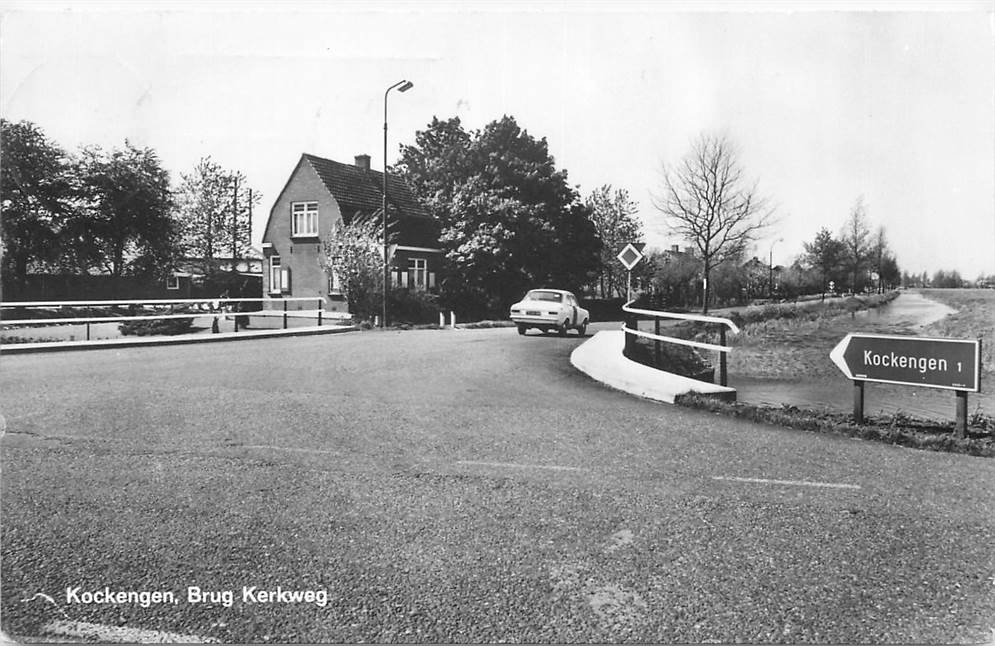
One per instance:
(550, 309)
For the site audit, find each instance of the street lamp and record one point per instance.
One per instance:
(770, 277)
(402, 86)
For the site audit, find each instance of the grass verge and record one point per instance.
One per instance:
(900, 429)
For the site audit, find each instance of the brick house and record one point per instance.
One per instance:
(321, 194)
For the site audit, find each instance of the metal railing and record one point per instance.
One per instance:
(631, 329)
(215, 307)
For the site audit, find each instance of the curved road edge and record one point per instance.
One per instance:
(601, 358)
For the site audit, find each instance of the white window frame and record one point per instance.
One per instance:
(275, 280)
(304, 219)
(172, 282)
(418, 268)
(334, 284)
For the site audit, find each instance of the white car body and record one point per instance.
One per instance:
(550, 309)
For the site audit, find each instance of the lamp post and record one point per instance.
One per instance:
(402, 86)
(770, 277)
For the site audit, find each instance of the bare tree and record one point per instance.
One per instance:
(707, 200)
(856, 238)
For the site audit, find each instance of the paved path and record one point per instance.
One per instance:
(469, 485)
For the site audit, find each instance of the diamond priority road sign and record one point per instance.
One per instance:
(953, 364)
(630, 256)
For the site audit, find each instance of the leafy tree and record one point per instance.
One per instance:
(730, 283)
(437, 165)
(213, 212)
(799, 279)
(947, 279)
(707, 200)
(889, 272)
(825, 255)
(675, 278)
(354, 258)
(509, 220)
(613, 214)
(36, 190)
(856, 239)
(126, 211)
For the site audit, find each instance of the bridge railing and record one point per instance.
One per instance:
(214, 307)
(631, 329)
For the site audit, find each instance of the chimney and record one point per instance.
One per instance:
(676, 248)
(363, 161)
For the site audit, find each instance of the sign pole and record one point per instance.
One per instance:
(961, 426)
(858, 401)
(629, 257)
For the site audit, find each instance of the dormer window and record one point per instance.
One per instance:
(304, 219)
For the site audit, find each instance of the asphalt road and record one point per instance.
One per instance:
(464, 486)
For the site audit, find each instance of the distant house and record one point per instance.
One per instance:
(322, 194)
(675, 253)
(759, 275)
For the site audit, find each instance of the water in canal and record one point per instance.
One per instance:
(835, 391)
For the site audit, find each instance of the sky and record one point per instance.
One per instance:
(826, 103)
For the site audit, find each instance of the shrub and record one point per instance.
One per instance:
(414, 307)
(154, 327)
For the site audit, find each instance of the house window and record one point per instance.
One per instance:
(172, 282)
(418, 271)
(304, 218)
(334, 284)
(274, 274)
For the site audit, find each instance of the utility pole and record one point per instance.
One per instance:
(248, 234)
(234, 225)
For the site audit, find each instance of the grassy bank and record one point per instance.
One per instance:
(974, 318)
(899, 429)
(775, 340)
(798, 347)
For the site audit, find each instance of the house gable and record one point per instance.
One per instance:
(339, 192)
(294, 263)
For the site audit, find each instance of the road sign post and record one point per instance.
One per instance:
(949, 364)
(858, 401)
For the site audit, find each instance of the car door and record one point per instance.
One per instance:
(572, 302)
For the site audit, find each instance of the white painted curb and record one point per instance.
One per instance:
(601, 358)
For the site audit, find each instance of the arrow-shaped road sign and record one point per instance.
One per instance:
(953, 364)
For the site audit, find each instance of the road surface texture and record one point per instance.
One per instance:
(462, 486)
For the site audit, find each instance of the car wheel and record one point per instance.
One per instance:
(582, 330)
(521, 329)
(562, 330)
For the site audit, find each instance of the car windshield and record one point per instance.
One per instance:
(539, 295)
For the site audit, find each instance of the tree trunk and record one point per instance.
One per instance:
(705, 291)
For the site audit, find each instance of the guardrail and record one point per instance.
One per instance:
(631, 329)
(215, 306)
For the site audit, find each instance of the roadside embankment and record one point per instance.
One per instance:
(898, 429)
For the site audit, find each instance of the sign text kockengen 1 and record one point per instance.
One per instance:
(953, 364)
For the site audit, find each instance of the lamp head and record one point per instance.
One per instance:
(407, 86)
